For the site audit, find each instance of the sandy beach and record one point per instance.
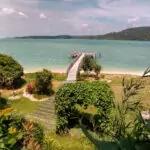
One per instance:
(105, 71)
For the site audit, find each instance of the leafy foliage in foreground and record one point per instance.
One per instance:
(17, 133)
(131, 142)
(10, 72)
(98, 94)
(126, 135)
(122, 125)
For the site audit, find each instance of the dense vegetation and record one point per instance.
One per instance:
(10, 72)
(138, 33)
(113, 123)
(16, 132)
(98, 94)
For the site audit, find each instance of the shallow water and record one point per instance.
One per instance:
(129, 56)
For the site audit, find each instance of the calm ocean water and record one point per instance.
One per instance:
(129, 56)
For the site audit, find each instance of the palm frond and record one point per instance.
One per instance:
(100, 145)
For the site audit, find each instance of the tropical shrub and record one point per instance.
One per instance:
(33, 136)
(130, 103)
(17, 133)
(10, 72)
(43, 82)
(98, 94)
(30, 88)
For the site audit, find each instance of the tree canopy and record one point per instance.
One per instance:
(10, 71)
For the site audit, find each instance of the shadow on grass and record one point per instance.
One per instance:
(90, 121)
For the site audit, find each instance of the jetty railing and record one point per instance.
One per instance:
(73, 62)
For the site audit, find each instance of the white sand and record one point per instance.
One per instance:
(31, 97)
(106, 71)
(128, 72)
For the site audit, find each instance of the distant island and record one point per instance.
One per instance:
(138, 33)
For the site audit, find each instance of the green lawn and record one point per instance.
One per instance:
(70, 142)
(24, 105)
(56, 76)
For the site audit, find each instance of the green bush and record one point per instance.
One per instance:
(10, 72)
(43, 82)
(98, 94)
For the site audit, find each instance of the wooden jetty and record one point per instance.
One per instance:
(74, 66)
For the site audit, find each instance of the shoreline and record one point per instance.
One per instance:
(110, 71)
(123, 72)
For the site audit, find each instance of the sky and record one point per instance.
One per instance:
(73, 17)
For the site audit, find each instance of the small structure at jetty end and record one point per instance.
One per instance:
(75, 54)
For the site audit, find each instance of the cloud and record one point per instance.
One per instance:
(8, 10)
(22, 14)
(71, 16)
(12, 11)
(132, 20)
(43, 16)
(84, 25)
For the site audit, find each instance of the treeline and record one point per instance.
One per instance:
(138, 33)
(45, 37)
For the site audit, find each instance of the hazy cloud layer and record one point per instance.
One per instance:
(52, 17)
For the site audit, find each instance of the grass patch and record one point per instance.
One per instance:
(24, 105)
(70, 142)
(30, 76)
(90, 109)
(39, 97)
(56, 76)
(59, 76)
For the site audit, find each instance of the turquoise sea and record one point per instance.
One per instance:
(117, 56)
